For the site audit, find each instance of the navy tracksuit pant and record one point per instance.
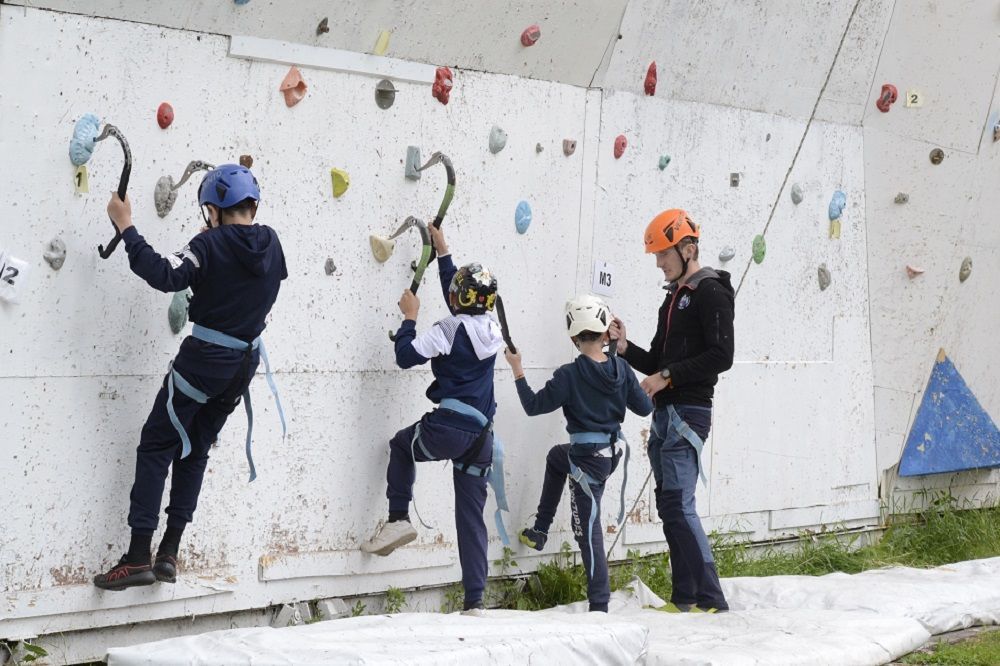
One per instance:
(160, 445)
(447, 438)
(556, 471)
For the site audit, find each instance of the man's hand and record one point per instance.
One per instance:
(437, 237)
(409, 305)
(654, 384)
(617, 332)
(120, 212)
(514, 359)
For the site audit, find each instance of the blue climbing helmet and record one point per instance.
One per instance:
(227, 185)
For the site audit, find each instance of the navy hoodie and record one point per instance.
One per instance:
(593, 395)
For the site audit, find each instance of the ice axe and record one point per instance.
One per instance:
(449, 192)
(111, 130)
(425, 253)
(505, 331)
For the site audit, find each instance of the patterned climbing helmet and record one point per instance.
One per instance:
(587, 313)
(668, 229)
(475, 289)
(228, 185)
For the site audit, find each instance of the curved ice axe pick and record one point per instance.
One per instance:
(505, 331)
(111, 130)
(449, 192)
(425, 254)
(163, 194)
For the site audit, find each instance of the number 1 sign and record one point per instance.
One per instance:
(12, 271)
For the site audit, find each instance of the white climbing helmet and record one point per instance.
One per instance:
(587, 312)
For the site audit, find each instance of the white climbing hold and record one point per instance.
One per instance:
(55, 255)
(727, 253)
(498, 139)
(381, 248)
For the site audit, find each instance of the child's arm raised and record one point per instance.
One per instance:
(553, 395)
(446, 266)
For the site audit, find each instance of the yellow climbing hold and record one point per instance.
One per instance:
(341, 181)
(381, 248)
(835, 229)
(382, 43)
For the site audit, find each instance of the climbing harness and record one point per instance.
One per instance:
(111, 130)
(593, 442)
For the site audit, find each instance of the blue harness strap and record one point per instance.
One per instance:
(681, 427)
(595, 441)
(175, 379)
(494, 473)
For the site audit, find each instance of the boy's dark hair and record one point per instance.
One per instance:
(246, 206)
(588, 336)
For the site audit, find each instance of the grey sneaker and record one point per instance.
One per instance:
(389, 537)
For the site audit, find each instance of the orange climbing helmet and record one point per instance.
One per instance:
(668, 229)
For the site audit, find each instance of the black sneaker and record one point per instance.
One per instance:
(165, 568)
(124, 575)
(533, 538)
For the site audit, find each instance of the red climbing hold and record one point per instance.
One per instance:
(887, 98)
(620, 143)
(165, 115)
(531, 35)
(442, 84)
(650, 84)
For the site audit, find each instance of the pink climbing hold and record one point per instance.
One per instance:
(620, 143)
(531, 35)
(443, 83)
(650, 83)
(887, 98)
(165, 115)
(293, 87)
(913, 271)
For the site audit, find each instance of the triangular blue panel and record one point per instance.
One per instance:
(951, 431)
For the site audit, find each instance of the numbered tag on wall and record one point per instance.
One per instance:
(602, 283)
(12, 272)
(914, 98)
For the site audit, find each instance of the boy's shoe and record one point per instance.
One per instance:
(390, 537)
(671, 607)
(533, 538)
(475, 611)
(708, 609)
(124, 575)
(165, 568)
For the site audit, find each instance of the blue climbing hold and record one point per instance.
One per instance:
(837, 204)
(241, 2)
(81, 146)
(522, 217)
(951, 430)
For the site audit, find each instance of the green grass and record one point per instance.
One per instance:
(982, 650)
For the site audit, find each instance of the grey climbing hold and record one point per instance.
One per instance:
(937, 156)
(55, 255)
(413, 162)
(836, 207)
(329, 266)
(902, 198)
(759, 249)
(664, 161)
(164, 195)
(323, 27)
(385, 94)
(177, 313)
(569, 147)
(522, 217)
(498, 139)
(796, 194)
(734, 179)
(824, 277)
(966, 270)
(538, 148)
(727, 253)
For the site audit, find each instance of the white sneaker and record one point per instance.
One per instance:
(474, 612)
(389, 537)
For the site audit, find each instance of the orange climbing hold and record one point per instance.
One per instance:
(293, 87)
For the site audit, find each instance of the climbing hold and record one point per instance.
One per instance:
(341, 181)
(530, 35)
(902, 198)
(293, 87)
(664, 161)
(164, 115)
(381, 248)
(498, 139)
(538, 148)
(55, 255)
(81, 146)
(164, 195)
(937, 156)
(835, 229)
(734, 179)
(996, 132)
(382, 43)
(177, 313)
(886, 98)
(837, 203)
(241, 2)
(966, 270)
(824, 277)
(412, 170)
(246, 161)
(913, 271)
(522, 217)
(323, 27)
(329, 267)
(80, 180)
(759, 249)
(569, 147)
(443, 82)
(385, 94)
(649, 85)
(796, 194)
(727, 253)
(620, 144)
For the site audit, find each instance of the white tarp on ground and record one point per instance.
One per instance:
(867, 618)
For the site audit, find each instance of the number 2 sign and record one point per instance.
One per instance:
(12, 272)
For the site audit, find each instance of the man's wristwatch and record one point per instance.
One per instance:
(665, 373)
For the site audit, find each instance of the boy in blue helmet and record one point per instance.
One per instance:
(594, 392)
(234, 268)
(462, 350)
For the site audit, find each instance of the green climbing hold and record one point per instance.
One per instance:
(177, 314)
(664, 161)
(759, 249)
(341, 181)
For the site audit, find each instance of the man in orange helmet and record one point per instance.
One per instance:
(692, 345)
